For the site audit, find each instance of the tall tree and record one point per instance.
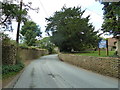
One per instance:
(70, 31)
(111, 22)
(30, 31)
(11, 11)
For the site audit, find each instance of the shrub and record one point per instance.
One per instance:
(23, 46)
(7, 40)
(6, 69)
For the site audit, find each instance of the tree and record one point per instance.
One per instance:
(30, 31)
(70, 31)
(11, 11)
(45, 43)
(111, 22)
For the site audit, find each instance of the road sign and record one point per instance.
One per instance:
(102, 44)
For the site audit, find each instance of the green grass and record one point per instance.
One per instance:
(95, 53)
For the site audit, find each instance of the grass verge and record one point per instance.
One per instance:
(95, 53)
(10, 70)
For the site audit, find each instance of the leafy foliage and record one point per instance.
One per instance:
(111, 22)
(23, 45)
(30, 31)
(9, 12)
(45, 43)
(70, 31)
(6, 69)
(6, 40)
(12, 11)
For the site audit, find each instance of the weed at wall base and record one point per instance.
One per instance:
(11, 69)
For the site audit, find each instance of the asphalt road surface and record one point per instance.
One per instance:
(50, 72)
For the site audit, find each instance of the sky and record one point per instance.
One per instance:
(48, 7)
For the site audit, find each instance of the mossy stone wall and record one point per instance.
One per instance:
(9, 55)
(104, 65)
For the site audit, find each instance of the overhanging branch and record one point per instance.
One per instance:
(5, 20)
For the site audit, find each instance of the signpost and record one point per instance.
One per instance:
(103, 44)
(107, 53)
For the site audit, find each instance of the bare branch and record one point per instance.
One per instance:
(31, 7)
(5, 19)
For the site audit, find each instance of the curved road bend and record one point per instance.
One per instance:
(50, 72)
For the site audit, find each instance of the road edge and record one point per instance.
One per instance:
(14, 81)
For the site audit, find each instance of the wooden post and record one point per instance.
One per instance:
(99, 51)
(107, 52)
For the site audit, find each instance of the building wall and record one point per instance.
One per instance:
(111, 43)
(118, 46)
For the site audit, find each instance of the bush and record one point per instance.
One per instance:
(7, 40)
(23, 46)
(6, 69)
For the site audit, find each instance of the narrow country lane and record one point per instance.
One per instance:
(50, 72)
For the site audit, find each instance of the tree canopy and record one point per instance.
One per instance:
(45, 43)
(70, 30)
(111, 22)
(30, 31)
(11, 11)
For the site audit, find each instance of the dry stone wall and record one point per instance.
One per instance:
(9, 55)
(29, 54)
(104, 65)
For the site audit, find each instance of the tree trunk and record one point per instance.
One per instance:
(19, 21)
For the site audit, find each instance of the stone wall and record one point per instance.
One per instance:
(103, 65)
(9, 55)
(29, 54)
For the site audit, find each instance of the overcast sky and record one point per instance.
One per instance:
(48, 7)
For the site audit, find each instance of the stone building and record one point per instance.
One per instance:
(114, 44)
(118, 44)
